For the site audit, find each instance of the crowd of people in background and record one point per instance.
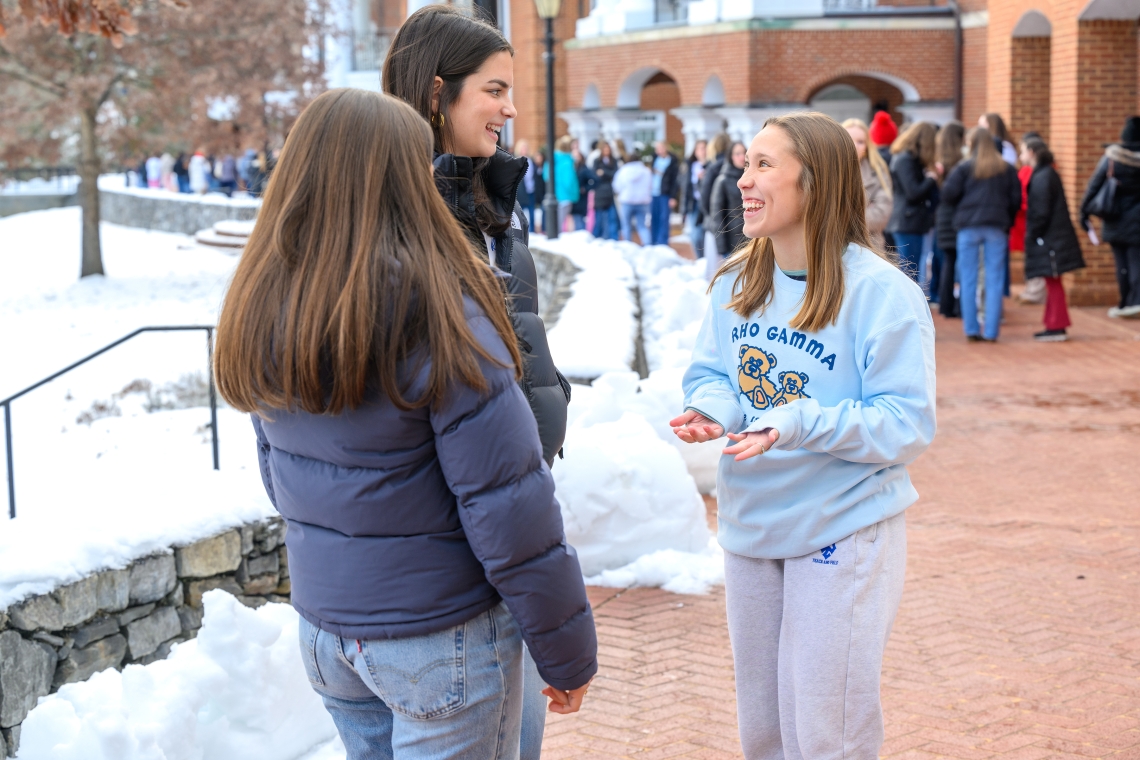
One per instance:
(204, 172)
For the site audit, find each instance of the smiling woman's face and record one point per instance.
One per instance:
(770, 186)
(477, 116)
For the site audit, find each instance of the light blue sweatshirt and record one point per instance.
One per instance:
(854, 404)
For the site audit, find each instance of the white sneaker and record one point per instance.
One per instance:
(1129, 312)
(1114, 312)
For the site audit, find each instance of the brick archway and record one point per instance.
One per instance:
(882, 94)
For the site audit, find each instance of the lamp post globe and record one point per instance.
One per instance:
(548, 11)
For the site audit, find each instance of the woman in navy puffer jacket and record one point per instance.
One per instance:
(424, 540)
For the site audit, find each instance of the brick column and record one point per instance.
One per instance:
(1029, 86)
(1098, 91)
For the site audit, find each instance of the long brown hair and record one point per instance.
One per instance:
(918, 139)
(834, 216)
(987, 159)
(948, 145)
(354, 264)
(442, 41)
(996, 125)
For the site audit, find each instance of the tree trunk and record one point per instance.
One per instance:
(89, 194)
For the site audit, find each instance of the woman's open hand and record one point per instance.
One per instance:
(748, 445)
(694, 427)
(566, 702)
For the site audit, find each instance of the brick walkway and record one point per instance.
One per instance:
(1019, 633)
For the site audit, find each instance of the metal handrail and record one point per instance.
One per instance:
(7, 403)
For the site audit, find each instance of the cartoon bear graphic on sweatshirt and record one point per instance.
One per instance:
(791, 388)
(755, 364)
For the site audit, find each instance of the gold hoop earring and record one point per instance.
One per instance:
(441, 122)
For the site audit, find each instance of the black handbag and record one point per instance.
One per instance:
(1104, 204)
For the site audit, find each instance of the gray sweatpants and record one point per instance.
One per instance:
(808, 635)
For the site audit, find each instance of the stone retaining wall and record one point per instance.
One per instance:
(157, 210)
(134, 615)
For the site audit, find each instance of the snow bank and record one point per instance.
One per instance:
(598, 325)
(679, 572)
(238, 691)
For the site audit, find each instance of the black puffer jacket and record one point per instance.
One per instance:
(946, 235)
(1125, 228)
(712, 171)
(547, 391)
(915, 196)
(726, 211)
(990, 202)
(602, 182)
(1051, 245)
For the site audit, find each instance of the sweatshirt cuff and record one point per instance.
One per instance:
(783, 419)
(723, 412)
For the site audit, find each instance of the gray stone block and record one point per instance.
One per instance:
(37, 613)
(195, 589)
(252, 601)
(152, 578)
(161, 653)
(95, 630)
(263, 565)
(47, 638)
(11, 739)
(26, 671)
(211, 556)
(283, 561)
(3, 620)
(113, 590)
(85, 662)
(4, 746)
(175, 598)
(144, 635)
(262, 584)
(284, 587)
(246, 539)
(190, 617)
(134, 613)
(269, 535)
(78, 601)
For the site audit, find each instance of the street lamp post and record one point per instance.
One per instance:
(548, 11)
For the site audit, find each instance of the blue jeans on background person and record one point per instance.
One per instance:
(994, 244)
(659, 219)
(453, 693)
(936, 258)
(606, 225)
(910, 252)
(635, 214)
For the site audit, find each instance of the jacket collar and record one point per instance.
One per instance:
(1122, 155)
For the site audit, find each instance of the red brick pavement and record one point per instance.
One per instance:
(1019, 632)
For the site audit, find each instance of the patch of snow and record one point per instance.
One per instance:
(238, 691)
(672, 570)
(598, 325)
(117, 183)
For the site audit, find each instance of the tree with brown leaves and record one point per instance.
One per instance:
(99, 78)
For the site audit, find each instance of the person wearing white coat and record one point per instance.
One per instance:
(199, 169)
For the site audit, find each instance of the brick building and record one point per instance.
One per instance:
(682, 70)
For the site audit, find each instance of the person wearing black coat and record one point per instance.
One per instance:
(1122, 229)
(547, 391)
(915, 193)
(726, 205)
(987, 193)
(1051, 245)
(606, 223)
(948, 145)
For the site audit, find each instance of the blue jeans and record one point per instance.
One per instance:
(635, 214)
(994, 245)
(456, 693)
(606, 223)
(910, 252)
(659, 220)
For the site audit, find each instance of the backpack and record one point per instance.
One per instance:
(1104, 203)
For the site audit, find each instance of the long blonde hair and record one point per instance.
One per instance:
(355, 273)
(878, 165)
(834, 216)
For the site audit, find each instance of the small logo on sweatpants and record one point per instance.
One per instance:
(826, 551)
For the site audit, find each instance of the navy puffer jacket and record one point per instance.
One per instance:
(403, 523)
